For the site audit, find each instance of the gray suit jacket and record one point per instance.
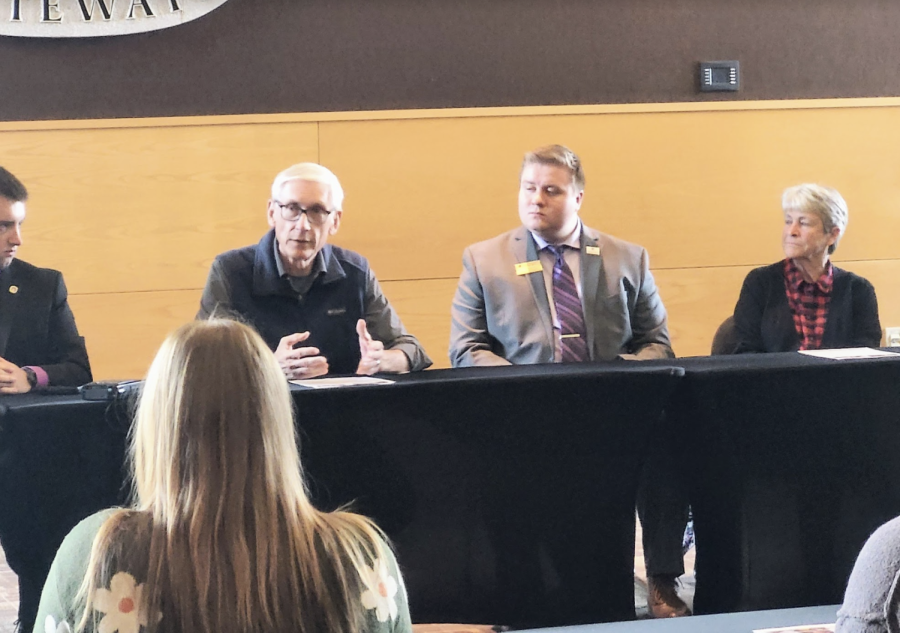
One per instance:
(499, 317)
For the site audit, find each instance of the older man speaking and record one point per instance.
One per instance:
(319, 307)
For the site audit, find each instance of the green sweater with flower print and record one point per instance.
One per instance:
(117, 606)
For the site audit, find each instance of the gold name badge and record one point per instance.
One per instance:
(592, 250)
(526, 268)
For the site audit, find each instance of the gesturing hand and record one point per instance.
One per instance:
(300, 362)
(371, 351)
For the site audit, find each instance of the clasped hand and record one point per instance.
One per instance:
(12, 378)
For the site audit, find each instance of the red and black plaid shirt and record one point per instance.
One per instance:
(808, 302)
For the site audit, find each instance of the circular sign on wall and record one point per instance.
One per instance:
(97, 18)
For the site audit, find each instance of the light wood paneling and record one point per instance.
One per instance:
(124, 330)
(147, 208)
(134, 214)
(695, 188)
(697, 301)
(424, 308)
(885, 276)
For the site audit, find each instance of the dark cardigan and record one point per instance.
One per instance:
(764, 323)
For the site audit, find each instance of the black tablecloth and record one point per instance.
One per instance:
(792, 462)
(508, 492)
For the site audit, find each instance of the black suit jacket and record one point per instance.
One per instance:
(37, 326)
(764, 323)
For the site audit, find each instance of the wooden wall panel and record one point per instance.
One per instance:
(133, 215)
(424, 307)
(694, 188)
(135, 209)
(884, 275)
(124, 330)
(697, 299)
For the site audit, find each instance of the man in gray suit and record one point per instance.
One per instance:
(554, 290)
(504, 311)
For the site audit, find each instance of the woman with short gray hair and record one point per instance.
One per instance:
(827, 203)
(804, 301)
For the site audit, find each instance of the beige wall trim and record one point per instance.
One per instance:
(452, 113)
(837, 261)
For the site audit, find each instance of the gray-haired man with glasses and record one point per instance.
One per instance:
(319, 307)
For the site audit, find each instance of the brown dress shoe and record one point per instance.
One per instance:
(662, 598)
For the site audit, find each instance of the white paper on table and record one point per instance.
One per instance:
(349, 381)
(848, 353)
(803, 628)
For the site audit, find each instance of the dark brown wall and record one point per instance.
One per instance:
(263, 56)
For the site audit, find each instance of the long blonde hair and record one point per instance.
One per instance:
(222, 524)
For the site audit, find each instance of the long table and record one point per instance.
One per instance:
(792, 464)
(742, 622)
(508, 492)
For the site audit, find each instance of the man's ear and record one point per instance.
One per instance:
(336, 222)
(270, 213)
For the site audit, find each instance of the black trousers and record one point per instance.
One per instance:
(662, 501)
(28, 545)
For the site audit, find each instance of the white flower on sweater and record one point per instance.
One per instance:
(50, 626)
(121, 604)
(381, 591)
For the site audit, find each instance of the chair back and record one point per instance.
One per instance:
(725, 339)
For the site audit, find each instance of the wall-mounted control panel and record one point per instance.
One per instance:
(720, 76)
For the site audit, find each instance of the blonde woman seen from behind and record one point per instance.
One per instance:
(222, 537)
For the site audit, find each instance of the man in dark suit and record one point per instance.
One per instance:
(39, 343)
(39, 348)
(554, 290)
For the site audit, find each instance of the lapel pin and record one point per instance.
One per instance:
(13, 290)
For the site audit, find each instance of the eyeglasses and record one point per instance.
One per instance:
(316, 214)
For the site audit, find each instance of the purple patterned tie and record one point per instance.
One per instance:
(573, 341)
